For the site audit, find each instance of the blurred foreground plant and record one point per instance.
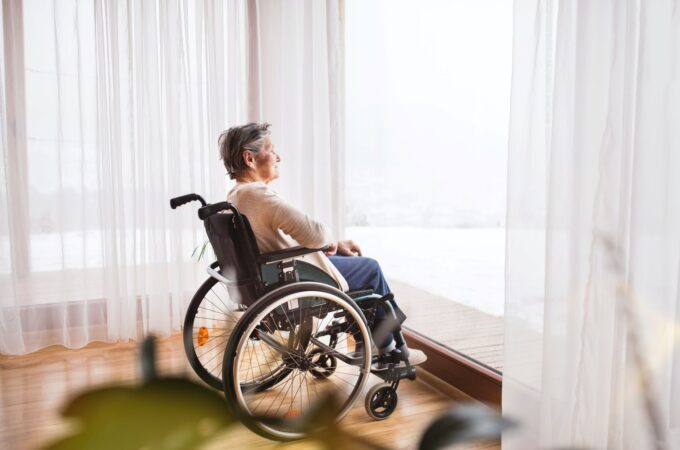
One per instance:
(168, 413)
(176, 413)
(464, 423)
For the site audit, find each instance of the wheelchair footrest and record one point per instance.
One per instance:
(393, 374)
(394, 367)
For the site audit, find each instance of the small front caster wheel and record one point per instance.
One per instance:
(381, 401)
(323, 365)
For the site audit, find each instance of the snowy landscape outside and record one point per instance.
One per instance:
(427, 110)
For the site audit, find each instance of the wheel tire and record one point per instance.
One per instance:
(238, 343)
(210, 375)
(381, 401)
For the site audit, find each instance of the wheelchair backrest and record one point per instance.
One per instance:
(237, 253)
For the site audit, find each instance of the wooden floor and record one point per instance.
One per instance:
(475, 334)
(35, 386)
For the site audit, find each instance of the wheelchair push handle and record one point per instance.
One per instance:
(209, 210)
(183, 199)
(205, 210)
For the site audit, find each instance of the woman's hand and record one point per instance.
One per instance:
(348, 248)
(332, 249)
(343, 248)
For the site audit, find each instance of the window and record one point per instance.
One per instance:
(427, 109)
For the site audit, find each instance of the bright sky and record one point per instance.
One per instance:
(428, 94)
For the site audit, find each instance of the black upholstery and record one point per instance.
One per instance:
(236, 250)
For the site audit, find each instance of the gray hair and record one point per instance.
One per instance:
(236, 140)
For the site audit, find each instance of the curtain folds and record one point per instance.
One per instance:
(122, 106)
(300, 69)
(592, 311)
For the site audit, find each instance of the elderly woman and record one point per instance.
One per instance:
(249, 157)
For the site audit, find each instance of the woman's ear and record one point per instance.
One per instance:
(248, 159)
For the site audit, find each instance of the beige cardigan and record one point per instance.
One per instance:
(278, 226)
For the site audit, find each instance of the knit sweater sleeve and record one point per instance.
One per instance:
(298, 225)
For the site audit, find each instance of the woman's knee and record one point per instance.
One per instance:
(374, 272)
(371, 264)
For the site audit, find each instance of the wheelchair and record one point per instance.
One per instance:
(276, 334)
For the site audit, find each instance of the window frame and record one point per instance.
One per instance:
(455, 369)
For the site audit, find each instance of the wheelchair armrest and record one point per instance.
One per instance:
(361, 293)
(287, 253)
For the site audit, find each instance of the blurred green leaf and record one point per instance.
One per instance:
(148, 358)
(464, 423)
(319, 424)
(200, 250)
(167, 413)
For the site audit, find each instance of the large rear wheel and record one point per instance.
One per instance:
(309, 329)
(208, 323)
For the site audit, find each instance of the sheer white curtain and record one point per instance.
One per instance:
(299, 64)
(592, 354)
(109, 109)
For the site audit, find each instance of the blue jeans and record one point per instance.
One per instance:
(364, 273)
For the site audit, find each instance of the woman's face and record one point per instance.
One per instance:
(266, 162)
